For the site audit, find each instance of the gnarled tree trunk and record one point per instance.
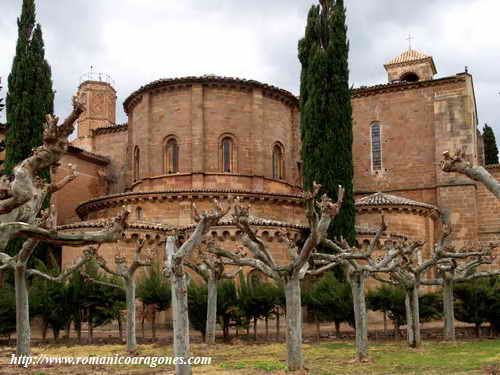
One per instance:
(410, 335)
(211, 311)
(357, 280)
(411, 300)
(130, 295)
(448, 310)
(23, 329)
(181, 322)
(294, 324)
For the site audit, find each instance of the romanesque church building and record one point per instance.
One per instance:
(194, 139)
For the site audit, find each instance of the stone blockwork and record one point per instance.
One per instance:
(419, 118)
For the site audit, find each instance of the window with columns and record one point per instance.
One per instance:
(171, 157)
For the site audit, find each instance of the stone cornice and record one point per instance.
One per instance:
(210, 81)
(110, 129)
(182, 194)
(403, 86)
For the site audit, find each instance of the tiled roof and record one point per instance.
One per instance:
(253, 220)
(111, 129)
(382, 199)
(209, 80)
(403, 85)
(90, 156)
(408, 56)
(102, 223)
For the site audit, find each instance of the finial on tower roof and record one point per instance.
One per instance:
(409, 39)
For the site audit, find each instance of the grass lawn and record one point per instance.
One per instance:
(469, 357)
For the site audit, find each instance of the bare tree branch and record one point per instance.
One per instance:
(87, 256)
(459, 165)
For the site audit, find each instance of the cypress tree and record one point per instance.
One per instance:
(2, 142)
(490, 146)
(30, 96)
(326, 111)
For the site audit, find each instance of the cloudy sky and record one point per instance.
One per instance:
(137, 41)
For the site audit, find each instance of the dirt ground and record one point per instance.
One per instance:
(243, 355)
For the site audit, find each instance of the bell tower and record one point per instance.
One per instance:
(411, 66)
(99, 96)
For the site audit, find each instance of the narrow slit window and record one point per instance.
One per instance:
(172, 157)
(277, 162)
(376, 148)
(137, 155)
(227, 154)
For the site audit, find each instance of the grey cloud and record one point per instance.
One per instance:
(139, 41)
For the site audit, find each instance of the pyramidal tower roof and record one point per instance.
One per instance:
(410, 57)
(382, 199)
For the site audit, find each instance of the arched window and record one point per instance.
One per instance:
(277, 162)
(227, 154)
(171, 157)
(410, 77)
(137, 156)
(376, 148)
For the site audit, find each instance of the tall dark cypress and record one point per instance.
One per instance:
(30, 96)
(490, 146)
(326, 111)
(2, 142)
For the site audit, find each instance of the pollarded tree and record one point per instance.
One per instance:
(21, 199)
(18, 264)
(360, 265)
(175, 256)
(490, 146)
(326, 110)
(455, 270)
(319, 214)
(126, 274)
(212, 269)
(410, 274)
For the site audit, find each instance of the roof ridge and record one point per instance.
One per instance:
(381, 199)
(409, 55)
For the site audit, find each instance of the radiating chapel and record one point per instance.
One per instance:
(193, 139)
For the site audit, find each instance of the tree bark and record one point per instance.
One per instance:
(153, 324)
(181, 322)
(410, 336)
(414, 321)
(360, 315)
(266, 320)
(22, 311)
(211, 311)
(337, 329)
(448, 309)
(294, 324)
(318, 328)
(255, 328)
(278, 326)
(130, 295)
(385, 323)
